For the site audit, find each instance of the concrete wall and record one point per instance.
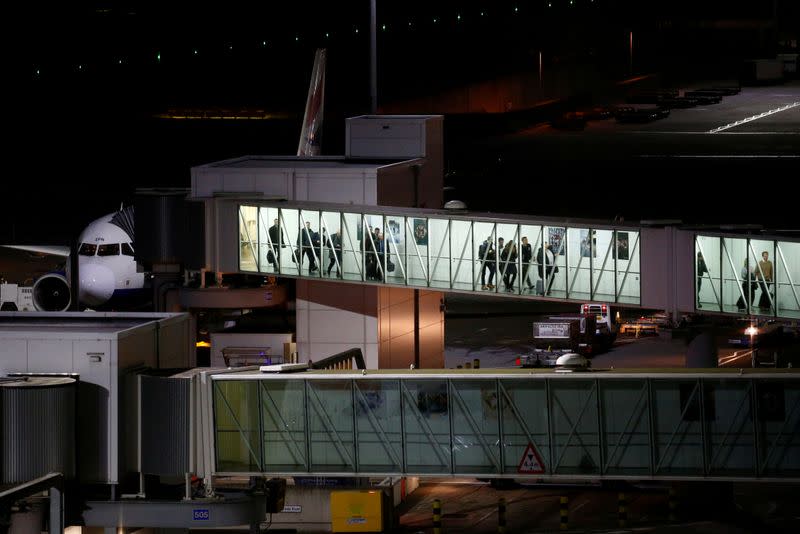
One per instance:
(334, 317)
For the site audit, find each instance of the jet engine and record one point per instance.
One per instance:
(51, 293)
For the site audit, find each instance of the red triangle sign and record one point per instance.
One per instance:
(531, 462)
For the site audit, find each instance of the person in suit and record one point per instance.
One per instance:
(546, 266)
(486, 255)
(508, 259)
(527, 256)
(701, 270)
(764, 276)
(748, 287)
(278, 242)
(307, 241)
(334, 245)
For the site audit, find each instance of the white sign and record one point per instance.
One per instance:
(559, 330)
(531, 461)
(292, 509)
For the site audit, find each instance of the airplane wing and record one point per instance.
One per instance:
(53, 251)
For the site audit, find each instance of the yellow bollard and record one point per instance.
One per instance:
(623, 510)
(501, 515)
(468, 365)
(564, 511)
(437, 516)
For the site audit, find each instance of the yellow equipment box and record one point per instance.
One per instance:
(357, 511)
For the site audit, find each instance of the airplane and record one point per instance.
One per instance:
(106, 264)
(107, 271)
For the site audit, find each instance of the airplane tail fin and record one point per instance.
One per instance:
(311, 134)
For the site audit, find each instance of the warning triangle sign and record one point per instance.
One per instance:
(531, 461)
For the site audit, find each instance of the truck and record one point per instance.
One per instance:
(557, 335)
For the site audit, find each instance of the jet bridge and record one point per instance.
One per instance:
(655, 265)
(715, 424)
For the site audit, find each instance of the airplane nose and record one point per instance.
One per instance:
(97, 284)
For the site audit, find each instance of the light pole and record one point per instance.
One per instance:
(373, 57)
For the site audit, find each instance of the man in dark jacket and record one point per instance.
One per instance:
(276, 238)
(307, 241)
(527, 255)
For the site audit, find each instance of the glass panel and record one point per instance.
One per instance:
(330, 425)
(476, 428)
(778, 409)
(730, 428)
(396, 248)
(711, 267)
(248, 238)
(308, 243)
(290, 223)
(439, 252)
(236, 426)
(787, 279)
(463, 247)
(110, 249)
(530, 241)
(762, 254)
(550, 261)
(87, 249)
(417, 250)
(352, 247)
(507, 258)
(524, 409)
(375, 258)
(426, 419)
(628, 285)
(380, 441)
(626, 427)
(331, 245)
(678, 448)
(576, 448)
(283, 420)
(271, 240)
(581, 244)
(604, 252)
(485, 251)
(737, 274)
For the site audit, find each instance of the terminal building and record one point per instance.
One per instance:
(220, 443)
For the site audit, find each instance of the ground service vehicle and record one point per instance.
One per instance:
(555, 336)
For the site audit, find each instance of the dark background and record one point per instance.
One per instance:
(86, 80)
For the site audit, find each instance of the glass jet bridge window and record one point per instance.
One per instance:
(127, 249)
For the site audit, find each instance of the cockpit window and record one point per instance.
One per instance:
(127, 249)
(111, 249)
(87, 249)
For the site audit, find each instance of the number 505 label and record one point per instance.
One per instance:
(201, 515)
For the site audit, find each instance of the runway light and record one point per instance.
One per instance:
(383, 27)
(158, 57)
(458, 17)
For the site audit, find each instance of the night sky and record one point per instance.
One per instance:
(87, 78)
